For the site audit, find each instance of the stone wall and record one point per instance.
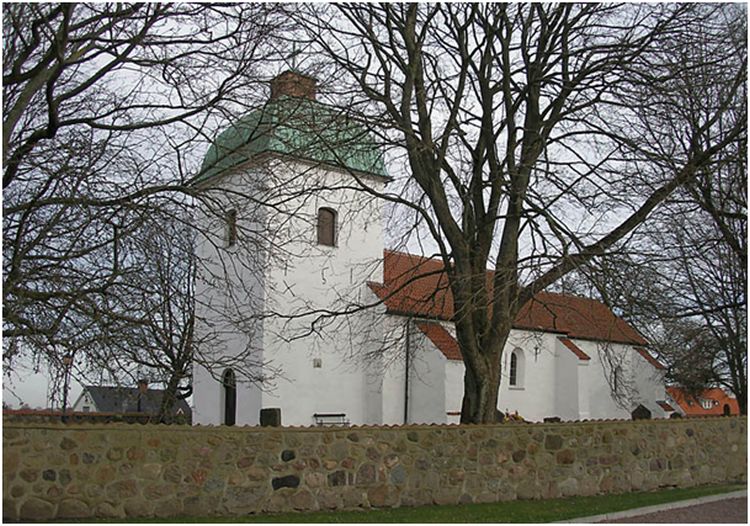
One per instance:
(117, 470)
(35, 416)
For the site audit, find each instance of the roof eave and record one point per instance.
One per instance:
(201, 180)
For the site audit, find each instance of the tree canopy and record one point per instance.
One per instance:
(535, 139)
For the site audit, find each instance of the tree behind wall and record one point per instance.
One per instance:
(532, 137)
(685, 279)
(687, 288)
(104, 109)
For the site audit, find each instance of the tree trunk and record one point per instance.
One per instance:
(482, 358)
(168, 401)
(480, 398)
(739, 390)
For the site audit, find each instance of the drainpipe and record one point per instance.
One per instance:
(406, 371)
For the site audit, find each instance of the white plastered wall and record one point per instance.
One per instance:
(567, 382)
(84, 400)
(640, 382)
(301, 277)
(394, 380)
(598, 393)
(307, 285)
(229, 294)
(454, 390)
(650, 384)
(427, 382)
(552, 380)
(534, 395)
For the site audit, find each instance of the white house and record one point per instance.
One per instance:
(319, 249)
(117, 399)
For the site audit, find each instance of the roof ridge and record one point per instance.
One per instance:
(437, 259)
(405, 290)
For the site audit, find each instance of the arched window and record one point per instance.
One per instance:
(229, 385)
(617, 380)
(727, 410)
(327, 227)
(516, 368)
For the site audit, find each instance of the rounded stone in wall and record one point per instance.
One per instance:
(138, 508)
(73, 509)
(303, 500)
(35, 509)
(9, 510)
(107, 510)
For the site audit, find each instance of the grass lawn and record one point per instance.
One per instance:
(514, 511)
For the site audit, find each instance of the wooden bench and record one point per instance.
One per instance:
(331, 419)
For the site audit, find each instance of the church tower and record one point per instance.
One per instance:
(291, 239)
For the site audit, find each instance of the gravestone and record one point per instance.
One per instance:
(270, 417)
(641, 413)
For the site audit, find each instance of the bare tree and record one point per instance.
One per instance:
(106, 110)
(149, 321)
(687, 289)
(685, 279)
(533, 137)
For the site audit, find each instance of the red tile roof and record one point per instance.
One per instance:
(442, 339)
(664, 405)
(643, 352)
(692, 405)
(414, 285)
(582, 318)
(573, 347)
(418, 286)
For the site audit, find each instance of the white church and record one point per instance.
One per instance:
(343, 331)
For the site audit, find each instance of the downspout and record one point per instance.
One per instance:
(406, 371)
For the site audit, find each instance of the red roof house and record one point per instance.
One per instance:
(711, 402)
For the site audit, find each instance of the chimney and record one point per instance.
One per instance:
(293, 84)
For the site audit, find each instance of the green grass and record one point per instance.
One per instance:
(513, 511)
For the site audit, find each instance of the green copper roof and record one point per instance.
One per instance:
(297, 127)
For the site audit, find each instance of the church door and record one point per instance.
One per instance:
(230, 398)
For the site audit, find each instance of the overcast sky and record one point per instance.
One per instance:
(23, 385)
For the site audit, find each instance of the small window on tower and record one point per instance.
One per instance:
(327, 227)
(231, 228)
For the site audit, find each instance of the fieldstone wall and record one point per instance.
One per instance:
(118, 470)
(33, 416)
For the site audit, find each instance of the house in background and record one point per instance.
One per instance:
(122, 400)
(392, 363)
(710, 402)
